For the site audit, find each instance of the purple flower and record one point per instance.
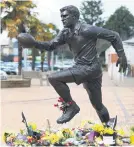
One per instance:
(21, 137)
(92, 135)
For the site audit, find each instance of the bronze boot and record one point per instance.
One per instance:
(69, 111)
(112, 123)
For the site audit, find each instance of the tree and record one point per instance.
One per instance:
(42, 60)
(15, 14)
(122, 21)
(41, 32)
(91, 12)
(54, 31)
(17, 17)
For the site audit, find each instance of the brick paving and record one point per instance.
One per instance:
(37, 104)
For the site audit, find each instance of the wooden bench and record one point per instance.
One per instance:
(42, 76)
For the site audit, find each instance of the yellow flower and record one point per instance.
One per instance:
(119, 142)
(98, 128)
(121, 132)
(47, 133)
(32, 125)
(54, 138)
(84, 123)
(3, 137)
(46, 136)
(132, 139)
(21, 131)
(108, 131)
(98, 139)
(67, 131)
(60, 134)
(8, 135)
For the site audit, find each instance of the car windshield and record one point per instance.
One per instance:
(37, 63)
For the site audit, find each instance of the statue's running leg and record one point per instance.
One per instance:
(93, 89)
(58, 80)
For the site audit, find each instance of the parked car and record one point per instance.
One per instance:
(64, 65)
(1, 62)
(38, 67)
(3, 75)
(9, 70)
(58, 66)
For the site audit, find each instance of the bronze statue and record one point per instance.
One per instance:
(81, 39)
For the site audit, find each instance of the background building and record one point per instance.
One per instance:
(111, 58)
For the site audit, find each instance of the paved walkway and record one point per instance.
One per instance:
(37, 104)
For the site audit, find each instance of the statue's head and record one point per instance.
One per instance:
(69, 15)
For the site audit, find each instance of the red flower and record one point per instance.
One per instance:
(70, 102)
(60, 99)
(56, 105)
(66, 144)
(69, 143)
(61, 108)
(30, 139)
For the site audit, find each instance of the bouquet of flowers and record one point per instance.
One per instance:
(88, 134)
(93, 136)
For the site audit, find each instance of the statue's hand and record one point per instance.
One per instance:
(122, 62)
(26, 40)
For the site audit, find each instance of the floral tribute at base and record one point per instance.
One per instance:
(87, 134)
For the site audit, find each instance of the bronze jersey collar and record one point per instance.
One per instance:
(77, 28)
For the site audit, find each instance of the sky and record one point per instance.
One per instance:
(49, 9)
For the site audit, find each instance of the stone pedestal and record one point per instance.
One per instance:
(13, 83)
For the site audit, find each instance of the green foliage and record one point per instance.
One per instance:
(91, 11)
(16, 16)
(132, 129)
(122, 21)
(19, 17)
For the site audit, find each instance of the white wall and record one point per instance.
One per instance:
(112, 69)
(129, 51)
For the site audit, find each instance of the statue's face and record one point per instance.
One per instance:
(67, 19)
